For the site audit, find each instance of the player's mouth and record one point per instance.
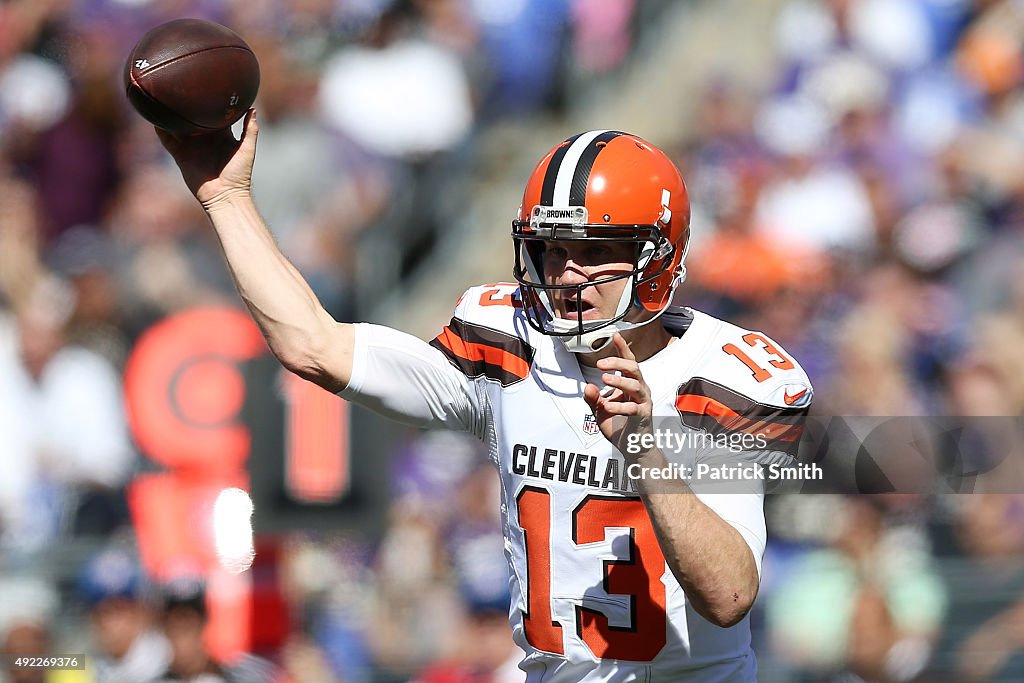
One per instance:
(576, 309)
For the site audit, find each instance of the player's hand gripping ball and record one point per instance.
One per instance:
(191, 76)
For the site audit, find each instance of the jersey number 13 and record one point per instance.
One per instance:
(638, 576)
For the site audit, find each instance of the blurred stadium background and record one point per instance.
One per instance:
(857, 176)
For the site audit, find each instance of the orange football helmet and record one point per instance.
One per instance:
(603, 185)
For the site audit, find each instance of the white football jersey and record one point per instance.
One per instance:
(592, 596)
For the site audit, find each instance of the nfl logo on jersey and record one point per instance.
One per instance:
(590, 424)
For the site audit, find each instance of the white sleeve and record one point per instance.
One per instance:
(404, 378)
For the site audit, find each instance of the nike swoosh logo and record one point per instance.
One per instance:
(791, 399)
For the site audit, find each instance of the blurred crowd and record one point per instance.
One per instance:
(864, 206)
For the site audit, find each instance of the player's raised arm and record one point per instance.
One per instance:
(400, 376)
(301, 334)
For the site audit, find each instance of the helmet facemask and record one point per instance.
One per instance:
(653, 257)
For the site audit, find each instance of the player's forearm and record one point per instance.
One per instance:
(709, 558)
(300, 333)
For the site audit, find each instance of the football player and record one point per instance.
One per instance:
(566, 374)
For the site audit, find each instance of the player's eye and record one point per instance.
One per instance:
(556, 253)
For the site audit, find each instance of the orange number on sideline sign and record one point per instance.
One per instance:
(316, 438)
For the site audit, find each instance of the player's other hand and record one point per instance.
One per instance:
(627, 408)
(216, 167)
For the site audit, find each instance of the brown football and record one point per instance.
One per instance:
(191, 76)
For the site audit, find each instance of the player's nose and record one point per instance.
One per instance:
(573, 273)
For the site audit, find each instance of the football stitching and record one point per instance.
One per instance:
(155, 67)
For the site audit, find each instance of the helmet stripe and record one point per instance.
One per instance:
(547, 193)
(567, 169)
(581, 176)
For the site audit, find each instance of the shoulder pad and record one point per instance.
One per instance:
(746, 383)
(753, 365)
(496, 305)
(482, 338)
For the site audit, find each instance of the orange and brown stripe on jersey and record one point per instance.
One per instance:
(479, 351)
(707, 405)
